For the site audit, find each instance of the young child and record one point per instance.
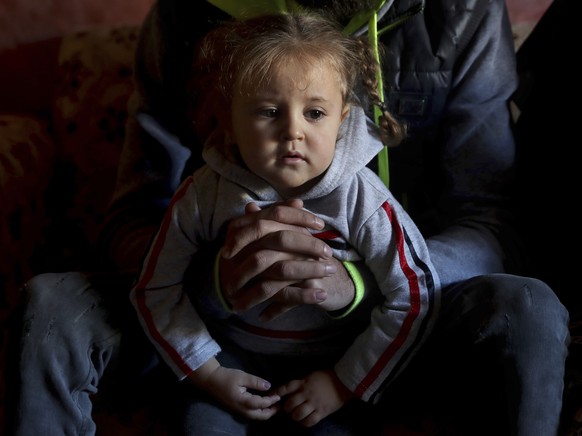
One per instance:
(274, 97)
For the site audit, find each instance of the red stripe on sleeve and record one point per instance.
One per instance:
(414, 306)
(146, 276)
(327, 235)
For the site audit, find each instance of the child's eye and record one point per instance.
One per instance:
(269, 112)
(315, 114)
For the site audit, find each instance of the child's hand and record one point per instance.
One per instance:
(234, 388)
(313, 398)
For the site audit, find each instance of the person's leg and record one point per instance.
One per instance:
(507, 340)
(68, 339)
(354, 419)
(203, 416)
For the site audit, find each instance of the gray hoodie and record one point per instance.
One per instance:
(363, 222)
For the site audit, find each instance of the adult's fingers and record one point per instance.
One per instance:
(254, 226)
(290, 293)
(290, 297)
(281, 299)
(275, 253)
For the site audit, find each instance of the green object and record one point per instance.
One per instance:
(244, 9)
(383, 170)
(359, 287)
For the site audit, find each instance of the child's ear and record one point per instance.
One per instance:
(345, 112)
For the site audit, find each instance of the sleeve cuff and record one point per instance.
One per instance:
(359, 291)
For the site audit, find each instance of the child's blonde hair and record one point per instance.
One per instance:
(242, 54)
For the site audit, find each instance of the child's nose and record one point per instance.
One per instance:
(292, 130)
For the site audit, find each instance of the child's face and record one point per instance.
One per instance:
(286, 131)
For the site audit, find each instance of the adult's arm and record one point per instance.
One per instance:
(148, 173)
(455, 172)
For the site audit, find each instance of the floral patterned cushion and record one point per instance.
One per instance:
(94, 84)
(56, 177)
(27, 162)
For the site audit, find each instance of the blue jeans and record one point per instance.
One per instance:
(497, 353)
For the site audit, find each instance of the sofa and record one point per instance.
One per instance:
(58, 164)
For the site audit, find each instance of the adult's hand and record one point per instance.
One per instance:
(271, 255)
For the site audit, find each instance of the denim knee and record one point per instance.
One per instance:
(528, 305)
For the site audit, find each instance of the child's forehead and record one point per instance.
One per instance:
(290, 84)
(298, 72)
(299, 69)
